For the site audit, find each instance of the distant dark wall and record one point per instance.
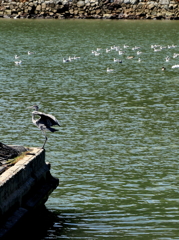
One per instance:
(104, 9)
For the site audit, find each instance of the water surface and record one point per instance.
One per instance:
(116, 154)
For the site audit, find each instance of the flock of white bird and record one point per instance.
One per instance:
(18, 57)
(124, 50)
(121, 51)
(69, 59)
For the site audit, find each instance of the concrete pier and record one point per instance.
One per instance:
(24, 187)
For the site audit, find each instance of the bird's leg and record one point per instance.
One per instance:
(43, 132)
(44, 142)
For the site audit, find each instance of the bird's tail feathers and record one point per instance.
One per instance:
(52, 129)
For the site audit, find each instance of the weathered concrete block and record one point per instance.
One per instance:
(18, 179)
(25, 185)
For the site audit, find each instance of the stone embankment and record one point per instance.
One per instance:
(91, 9)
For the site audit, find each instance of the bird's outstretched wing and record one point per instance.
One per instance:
(47, 119)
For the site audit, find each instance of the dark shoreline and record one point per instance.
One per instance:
(121, 9)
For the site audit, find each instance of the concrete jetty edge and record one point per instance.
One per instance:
(23, 188)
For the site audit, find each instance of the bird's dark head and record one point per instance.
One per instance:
(34, 107)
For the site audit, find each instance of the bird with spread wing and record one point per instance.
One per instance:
(45, 122)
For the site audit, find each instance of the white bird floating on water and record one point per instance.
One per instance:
(121, 52)
(129, 57)
(16, 57)
(18, 62)
(154, 46)
(110, 70)
(70, 58)
(162, 47)
(76, 58)
(172, 46)
(125, 46)
(175, 55)
(30, 53)
(157, 49)
(45, 122)
(138, 52)
(175, 66)
(135, 48)
(167, 59)
(117, 60)
(66, 60)
(96, 53)
(113, 47)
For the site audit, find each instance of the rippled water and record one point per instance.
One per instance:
(116, 154)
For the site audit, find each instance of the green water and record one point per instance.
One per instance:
(116, 154)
